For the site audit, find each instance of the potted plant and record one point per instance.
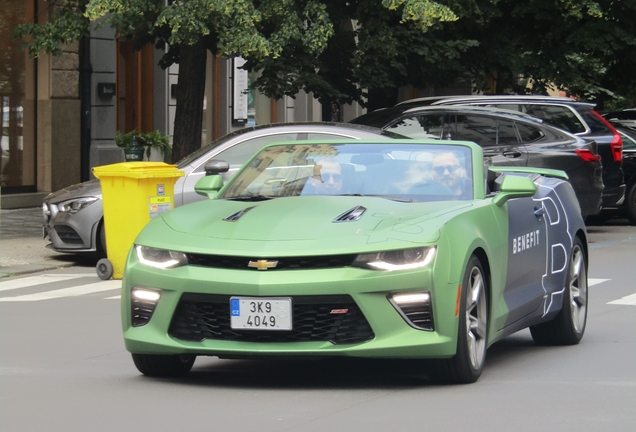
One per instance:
(149, 140)
(156, 140)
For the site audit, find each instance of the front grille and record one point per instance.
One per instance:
(68, 234)
(206, 316)
(286, 263)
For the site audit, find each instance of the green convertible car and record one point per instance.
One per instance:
(388, 249)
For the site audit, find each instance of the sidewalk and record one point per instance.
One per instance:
(22, 245)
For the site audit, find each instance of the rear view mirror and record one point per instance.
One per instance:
(216, 166)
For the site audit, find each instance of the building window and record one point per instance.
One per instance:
(17, 101)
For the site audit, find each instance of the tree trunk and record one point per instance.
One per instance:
(188, 117)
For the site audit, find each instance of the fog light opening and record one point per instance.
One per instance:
(415, 308)
(144, 303)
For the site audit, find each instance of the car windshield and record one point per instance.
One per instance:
(399, 171)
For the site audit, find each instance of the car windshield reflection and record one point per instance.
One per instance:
(400, 172)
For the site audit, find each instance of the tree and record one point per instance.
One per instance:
(584, 48)
(337, 49)
(283, 38)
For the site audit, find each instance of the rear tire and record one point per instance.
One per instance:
(154, 365)
(569, 325)
(472, 338)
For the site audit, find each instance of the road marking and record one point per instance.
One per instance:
(629, 300)
(117, 297)
(67, 292)
(37, 280)
(593, 281)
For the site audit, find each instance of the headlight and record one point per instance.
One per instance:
(46, 213)
(404, 259)
(75, 205)
(160, 258)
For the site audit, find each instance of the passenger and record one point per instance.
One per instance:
(448, 172)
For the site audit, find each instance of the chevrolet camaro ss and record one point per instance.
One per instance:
(388, 249)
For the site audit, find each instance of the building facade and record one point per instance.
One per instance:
(61, 113)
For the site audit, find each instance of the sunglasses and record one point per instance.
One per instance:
(325, 177)
(442, 168)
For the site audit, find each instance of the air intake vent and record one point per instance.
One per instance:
(351, 215)
(236, 216)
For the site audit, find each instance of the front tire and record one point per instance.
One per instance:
(569, 325)
(472, 338)
(155, 365)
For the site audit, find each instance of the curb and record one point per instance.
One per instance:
(22, 269)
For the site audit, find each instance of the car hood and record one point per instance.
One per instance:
(87, 188)
(316, 225)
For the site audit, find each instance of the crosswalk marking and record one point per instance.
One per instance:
(629, 300)
(594, 281)
(67, 292)
(36, 280)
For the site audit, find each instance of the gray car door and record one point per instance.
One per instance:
(498, 137)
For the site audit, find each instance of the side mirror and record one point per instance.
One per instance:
(216, 166)
(209, 186)
(514, 186)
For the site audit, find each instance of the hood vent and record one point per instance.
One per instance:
(236, 216)
(351, 215)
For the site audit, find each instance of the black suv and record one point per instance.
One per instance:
(568, 114)
(507, 138)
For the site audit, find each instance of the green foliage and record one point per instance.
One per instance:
(149, 140)
(338, 49)
(424, 13)
(66, 24)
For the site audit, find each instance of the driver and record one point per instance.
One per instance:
(327, 179)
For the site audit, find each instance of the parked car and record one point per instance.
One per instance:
(576, 117)
(625, 117)
(509, 138)
(73, 216)
(357, 248)
(629, 168)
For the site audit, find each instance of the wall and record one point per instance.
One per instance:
(58, 120)
(103, 109)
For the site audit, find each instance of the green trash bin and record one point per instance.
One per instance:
(132, 194)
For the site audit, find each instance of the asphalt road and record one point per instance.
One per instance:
(63, 367)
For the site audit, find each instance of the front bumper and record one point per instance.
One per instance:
(613, 198)
(391, 335)
(73, 232)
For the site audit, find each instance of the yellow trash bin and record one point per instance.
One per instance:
(132, 194)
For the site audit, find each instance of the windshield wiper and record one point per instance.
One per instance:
(256, 197)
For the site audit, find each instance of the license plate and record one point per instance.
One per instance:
(260, 313)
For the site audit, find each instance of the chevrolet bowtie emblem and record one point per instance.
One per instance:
(262, 264)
